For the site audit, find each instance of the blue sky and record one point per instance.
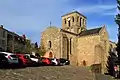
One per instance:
(31, 17)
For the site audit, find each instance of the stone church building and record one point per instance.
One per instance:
(76, 43)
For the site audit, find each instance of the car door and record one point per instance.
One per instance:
(3, 60)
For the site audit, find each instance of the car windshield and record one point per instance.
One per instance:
(32, 56)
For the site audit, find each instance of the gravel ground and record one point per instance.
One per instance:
(46, 73)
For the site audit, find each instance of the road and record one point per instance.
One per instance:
(51, 73)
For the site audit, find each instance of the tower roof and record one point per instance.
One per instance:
(72, 13)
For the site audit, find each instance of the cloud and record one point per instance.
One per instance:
(99, 9)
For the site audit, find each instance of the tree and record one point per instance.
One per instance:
(112, 61)
(36, 45)
(117, 20)
(28, 46)
(42, 50)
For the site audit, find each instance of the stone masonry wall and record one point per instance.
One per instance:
(86, 49)
(51, 34)
(106, 45)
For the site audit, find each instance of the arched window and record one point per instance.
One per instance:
(50, 55)
(84, 63)
(80, 21)
(69, 23)
(72, 18)
(50, 44)
(65, 21)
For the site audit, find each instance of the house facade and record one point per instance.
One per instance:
(10, 41)
(3, 38)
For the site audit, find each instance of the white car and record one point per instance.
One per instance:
(54, 61)
(12, 58)
(33, 58)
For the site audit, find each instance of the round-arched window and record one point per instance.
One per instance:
(65, 21)
(72, 18)
(84, 63)
(50, 44)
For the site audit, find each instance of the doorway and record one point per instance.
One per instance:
(84, 63)
(65, 48)
(50, 55)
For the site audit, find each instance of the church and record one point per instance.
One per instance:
(76, 43)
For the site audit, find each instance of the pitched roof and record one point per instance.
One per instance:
(86, 32)
(72, 13)
(90, 32)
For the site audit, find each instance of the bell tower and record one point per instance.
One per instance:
(74, 22)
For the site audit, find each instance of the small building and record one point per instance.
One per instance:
(10, 41)
(3, 39)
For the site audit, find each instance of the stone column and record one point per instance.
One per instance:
(61, 45)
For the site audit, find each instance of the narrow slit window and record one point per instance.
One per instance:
(80, 21)
(50, 44)
(73, 19)
(69, 23)
(65, 21)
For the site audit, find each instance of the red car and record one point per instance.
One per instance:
(45, 61)
(24, 60)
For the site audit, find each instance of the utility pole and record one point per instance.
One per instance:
(50, 23)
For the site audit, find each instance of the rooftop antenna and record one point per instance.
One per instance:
(50, 23)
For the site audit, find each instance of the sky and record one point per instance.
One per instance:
(31, 17)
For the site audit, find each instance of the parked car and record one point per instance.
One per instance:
(12, 58)
(33, 58)
(45, 61)
(64, 61)
(24, 60)
(3, 61)
(55, 61)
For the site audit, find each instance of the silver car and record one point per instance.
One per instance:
(12, 58)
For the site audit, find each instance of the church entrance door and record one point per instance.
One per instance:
(65, 48)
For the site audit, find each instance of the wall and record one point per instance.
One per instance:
(52, 34)
(86, 49)
(104, 38)
(3, 38)
(72, 54)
